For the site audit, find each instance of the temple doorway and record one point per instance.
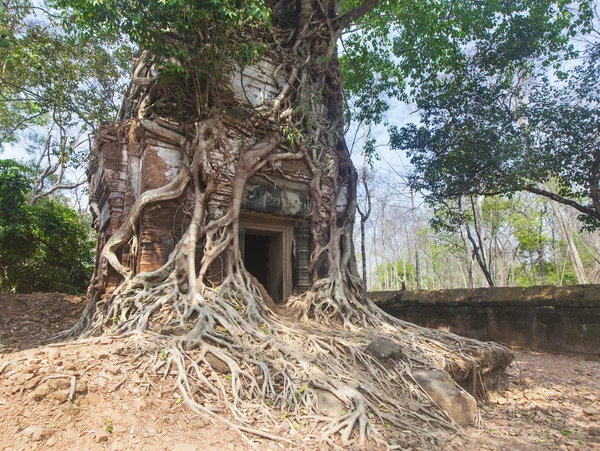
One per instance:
(266, 245)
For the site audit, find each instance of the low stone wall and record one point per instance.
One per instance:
(560, 319)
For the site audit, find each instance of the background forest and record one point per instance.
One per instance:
(522, 240)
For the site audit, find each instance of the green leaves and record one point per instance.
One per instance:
(511, 115)
(50, 76)
(46, 247)
(197, 34)
(409, 51)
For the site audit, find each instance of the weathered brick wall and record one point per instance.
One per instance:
(130, 160)
(560, 319)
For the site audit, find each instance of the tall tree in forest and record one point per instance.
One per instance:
(573, 251)
(364, 211)
(514, 116)
(316, 341)
(55, 89)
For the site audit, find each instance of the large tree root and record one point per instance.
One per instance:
(255, 367)
(252, 368)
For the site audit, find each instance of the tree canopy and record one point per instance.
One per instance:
(520, 114)
(56, 87)
(51, 75)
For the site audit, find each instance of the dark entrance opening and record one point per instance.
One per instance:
(256, 257)
(263, 258)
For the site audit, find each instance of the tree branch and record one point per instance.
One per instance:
(595, 176)
(54, 189)
(346, 19)
(562, 200)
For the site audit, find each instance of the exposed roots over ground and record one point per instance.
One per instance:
(235, 363)
(235, 353)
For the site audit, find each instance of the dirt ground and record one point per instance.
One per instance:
(548, 402)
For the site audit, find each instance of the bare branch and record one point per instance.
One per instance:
(348, 18)
(563, 200)
(54, 189)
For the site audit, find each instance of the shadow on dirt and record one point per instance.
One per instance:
(31, 320)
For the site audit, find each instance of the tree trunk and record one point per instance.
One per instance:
(414, 230)
(542, 264)
(364, 216)
(596, 272)
(478, 246)
(170, 183)
(469, 256)
(573, 252)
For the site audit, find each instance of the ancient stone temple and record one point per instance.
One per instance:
(274, 236)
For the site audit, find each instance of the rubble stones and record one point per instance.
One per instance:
(81, 387)
(384, 349)
(53, 354)
(112, 369)
(37, 433)
(217, 364)
(58, 384)
(69, 409)
(59, 395)
(329, 404)
(40, 392)
(22, 378)
(101, 436)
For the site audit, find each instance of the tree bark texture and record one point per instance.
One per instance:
(170, 183)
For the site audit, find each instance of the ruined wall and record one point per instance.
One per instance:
(130, 160)
(560, 319)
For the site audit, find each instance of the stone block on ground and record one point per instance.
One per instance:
(59, 395)
(37, 433)
(40, 392)
(53, 354)
(101, 436)
(328, 403)
(218, 365)
(457, 403)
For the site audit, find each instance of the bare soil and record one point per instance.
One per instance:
(548, 401)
